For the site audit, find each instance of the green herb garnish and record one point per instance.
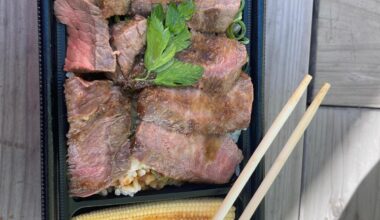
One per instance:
(176, 18)
(168, 34)
(237, 29)
(174, 21)
(158, 51)
(158, 12)
(182, 40)
(187, 9)
(179, 74)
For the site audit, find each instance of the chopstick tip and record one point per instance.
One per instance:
(326, 86)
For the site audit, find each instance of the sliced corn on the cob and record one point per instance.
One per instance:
(191, 209)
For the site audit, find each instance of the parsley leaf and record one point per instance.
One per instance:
(179, 74)
(164, 67)
(157, 53)
(158, 11)
(182, 40)
(174, 21)
(166, 56)
(168, 34)
(186, 9)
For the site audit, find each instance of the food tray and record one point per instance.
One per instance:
(56, 204)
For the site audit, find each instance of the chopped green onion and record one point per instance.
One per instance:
(237, 30)
(242, 5)
(245, 40)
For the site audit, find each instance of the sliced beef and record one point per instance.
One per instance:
(129, 39)
(222, 59)
(144, 7)
(114, 7)
(191, 158)
(214, 15)
(190, 110)
(88, 48)
(100, 122)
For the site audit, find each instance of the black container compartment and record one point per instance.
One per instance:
(56, 204)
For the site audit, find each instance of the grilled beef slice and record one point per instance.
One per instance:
(144, 7)
(129, 39)
(222, 59)
(114, 7)
(88, 48)
(212, 16)
(190, 158)
(99, 148)
(189, 110)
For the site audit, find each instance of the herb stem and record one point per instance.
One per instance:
(242, 5)
(145, 78)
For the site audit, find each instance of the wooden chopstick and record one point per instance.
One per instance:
(285, 153)
(262, 149)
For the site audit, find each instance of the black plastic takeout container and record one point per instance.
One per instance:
(56, 204)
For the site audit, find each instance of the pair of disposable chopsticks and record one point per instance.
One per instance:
(264, 146)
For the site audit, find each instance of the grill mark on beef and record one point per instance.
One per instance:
(210, 15)
(212, 146)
